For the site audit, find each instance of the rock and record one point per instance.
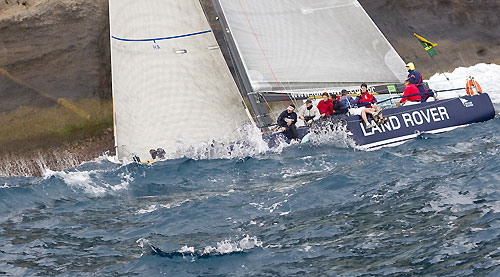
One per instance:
(62, 47)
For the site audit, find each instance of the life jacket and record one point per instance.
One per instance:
(367, 97)
(411, 74)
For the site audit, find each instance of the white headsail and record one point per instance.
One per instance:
(297, 44)
(171, 86)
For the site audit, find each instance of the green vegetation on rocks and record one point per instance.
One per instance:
(28, 128)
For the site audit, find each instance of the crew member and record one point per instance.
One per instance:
(366, 103)
(309, 113)
(416, 79)
(287, 120)
(411, 93)
(338, 107)
(157, 154)
(430, 93)
(325, 106)
(347, 100)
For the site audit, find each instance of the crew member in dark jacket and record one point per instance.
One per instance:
(416, 79)
(338, 106)
(287, 120)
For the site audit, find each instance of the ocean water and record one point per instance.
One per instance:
(430, 206)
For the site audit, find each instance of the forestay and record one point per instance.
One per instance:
(303, 44)
(171, 85)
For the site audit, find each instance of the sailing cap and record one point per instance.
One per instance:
(309, 101)
(410, 65)
(344, 91)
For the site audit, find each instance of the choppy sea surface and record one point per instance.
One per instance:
(430, 206)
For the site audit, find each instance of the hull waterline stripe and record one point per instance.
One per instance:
(164, 38)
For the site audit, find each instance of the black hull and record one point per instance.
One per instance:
(408, 122)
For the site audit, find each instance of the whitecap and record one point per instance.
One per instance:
(485, 74)
(89, 181)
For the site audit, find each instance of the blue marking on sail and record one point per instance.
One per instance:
(165, 38)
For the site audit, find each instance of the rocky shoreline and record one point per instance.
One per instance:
(68, 155)
(53, 50)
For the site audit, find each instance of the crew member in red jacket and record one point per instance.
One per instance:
(411, 94)
(325, 106)
(367, 105)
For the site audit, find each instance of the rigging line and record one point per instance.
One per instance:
(413, 30)
(163, 38)
(271, 111)
(292, 97)
(398, 97)
(415, 109)
(262, 50)
(269, 108)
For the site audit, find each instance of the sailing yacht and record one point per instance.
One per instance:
(290, 50)
(172, 88)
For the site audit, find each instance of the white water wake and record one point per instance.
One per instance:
(486, 75)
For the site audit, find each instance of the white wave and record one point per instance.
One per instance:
(147, 210)
(254, 145)
(229, 246)
(155, 207)
(186, 249)
(222, 248)
(142, 242)
(332, 133)
(78, 179)
(485, 74)
(89, 181)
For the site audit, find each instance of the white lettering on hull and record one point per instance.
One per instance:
(435, 114)
(391, 125)
(407, 120)
(415, 118)
(443, 113)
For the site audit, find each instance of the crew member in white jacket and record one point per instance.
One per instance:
(309, 113)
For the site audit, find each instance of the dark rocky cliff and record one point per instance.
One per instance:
(467, 31)
(62, 47)
(52, 48)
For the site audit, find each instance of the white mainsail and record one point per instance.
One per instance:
(303, 44)
(171, 86)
